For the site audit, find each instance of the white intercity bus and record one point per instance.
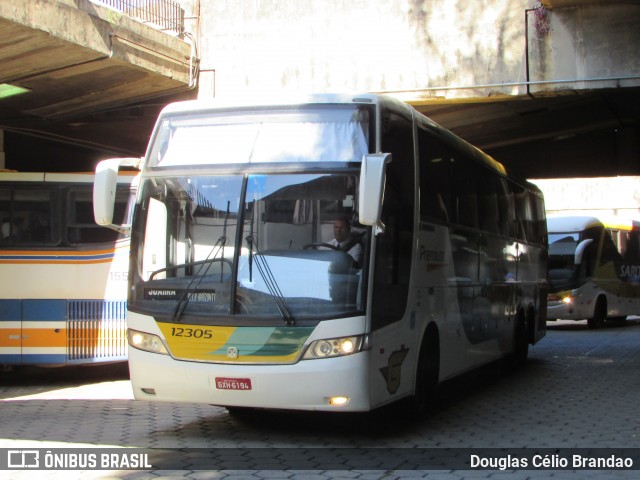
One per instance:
(63, 278)
(238, 297)
(594, 268)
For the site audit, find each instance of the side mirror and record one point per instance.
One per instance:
(371, 194)
(104, 191)
(580, 250)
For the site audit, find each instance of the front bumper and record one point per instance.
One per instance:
(305, 385)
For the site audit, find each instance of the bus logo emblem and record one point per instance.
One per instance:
(392, 373)
(232, 352)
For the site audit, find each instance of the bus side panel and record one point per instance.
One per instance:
(44, 332)
(62, 307)
(466, 284)
(59, 332)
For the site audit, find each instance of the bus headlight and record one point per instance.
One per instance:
(146, 342)
(569, 296)
(335, 347)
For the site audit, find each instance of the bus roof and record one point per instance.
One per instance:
(577, 223)
(209, 105)
(203, 105)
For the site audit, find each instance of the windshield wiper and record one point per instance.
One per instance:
(199, 274)
(267, 275)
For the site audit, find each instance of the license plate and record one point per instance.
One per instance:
(225, 383)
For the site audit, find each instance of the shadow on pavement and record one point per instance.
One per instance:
(45, 379)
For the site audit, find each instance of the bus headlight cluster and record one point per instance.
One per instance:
(335, 347)
(569, 297)
(146, 342)
(566, 297)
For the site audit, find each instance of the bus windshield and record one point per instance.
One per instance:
(562, 269)
(252, 245)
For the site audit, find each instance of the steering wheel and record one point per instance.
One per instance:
(320, 244)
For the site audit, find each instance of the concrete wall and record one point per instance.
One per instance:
(585, 46)
(422, 49)
(364, 45)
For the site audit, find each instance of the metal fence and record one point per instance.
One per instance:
(163, 14)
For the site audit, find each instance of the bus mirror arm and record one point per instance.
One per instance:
(104, 191)
(580, 250)
(371, 193)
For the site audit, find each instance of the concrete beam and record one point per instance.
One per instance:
(584, 46)
(99, 32)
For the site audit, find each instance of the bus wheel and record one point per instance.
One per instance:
(520, 342)
(427, 374)
(240, 412)
(599, 314)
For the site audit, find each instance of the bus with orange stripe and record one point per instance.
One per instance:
(63, 278)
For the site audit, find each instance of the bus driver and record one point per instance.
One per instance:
(345, 241)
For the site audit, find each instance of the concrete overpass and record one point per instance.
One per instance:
(93, 79)
(551, 89)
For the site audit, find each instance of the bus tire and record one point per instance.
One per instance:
(427, 374)
(520, 352)
(240, 413)
(599, 314)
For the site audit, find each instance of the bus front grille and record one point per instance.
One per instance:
(97, 331)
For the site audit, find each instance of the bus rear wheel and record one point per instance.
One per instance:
(599, 314)
(520, 342)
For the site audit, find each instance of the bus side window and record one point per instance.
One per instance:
(588, 265)
(539, 219)
(488, 212)
(531, 217)
(465, 194)
(610, 252)
(32, 216)
(5, 215)
(524, 214)
(435, 180)
(632, 252)
(39, 228)
(81, 226)
(506, 209)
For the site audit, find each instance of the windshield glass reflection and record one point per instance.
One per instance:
(254, 245)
